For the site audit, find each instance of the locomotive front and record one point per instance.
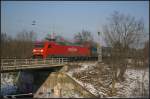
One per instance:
(38, 50)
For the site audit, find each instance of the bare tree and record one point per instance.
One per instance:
(146, 52)
(24, 44)
(122, 33)
(84, 36)
(18, 47)
(5, 45)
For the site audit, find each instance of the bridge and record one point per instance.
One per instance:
(8, 65)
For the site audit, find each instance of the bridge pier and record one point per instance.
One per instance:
(61, 86)
(25, 82)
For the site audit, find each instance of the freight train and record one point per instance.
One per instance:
(48, 49)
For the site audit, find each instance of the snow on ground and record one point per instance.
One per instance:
(131, 87)
(7, 79)
(83, 67)
(88, 86)
(7, 84)
(86, 66)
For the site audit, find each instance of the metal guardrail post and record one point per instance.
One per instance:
(44, 61)
(67, 60)
(1, 64)
(35, 62)
(52, 60)
(26, 61)
(59, 61)
(15, 63)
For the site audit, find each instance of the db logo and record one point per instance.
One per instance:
(72, 49)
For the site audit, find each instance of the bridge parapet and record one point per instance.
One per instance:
(14, 64)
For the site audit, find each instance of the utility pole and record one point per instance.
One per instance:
(99, 49)
(33, 29)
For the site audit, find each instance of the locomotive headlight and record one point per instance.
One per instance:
(34, 50)
(42, 50)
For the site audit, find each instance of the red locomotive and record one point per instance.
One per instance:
(53, 49)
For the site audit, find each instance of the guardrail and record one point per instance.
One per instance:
(12, 64)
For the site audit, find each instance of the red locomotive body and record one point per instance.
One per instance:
(51, 48)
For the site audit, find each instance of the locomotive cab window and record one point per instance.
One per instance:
(39, 45)
(49, 46)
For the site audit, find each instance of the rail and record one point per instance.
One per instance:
(14, 64)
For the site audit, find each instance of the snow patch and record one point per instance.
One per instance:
(88, 86)
(132, 86)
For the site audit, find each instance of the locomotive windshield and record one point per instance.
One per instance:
(39, 45)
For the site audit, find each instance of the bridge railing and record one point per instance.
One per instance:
(7, 64)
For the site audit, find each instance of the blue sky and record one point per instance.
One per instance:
(66, 18)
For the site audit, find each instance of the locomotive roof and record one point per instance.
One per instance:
(57, 43)
(38, 42)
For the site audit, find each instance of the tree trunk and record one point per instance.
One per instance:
(122, 72)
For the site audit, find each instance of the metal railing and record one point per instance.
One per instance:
(12, 64)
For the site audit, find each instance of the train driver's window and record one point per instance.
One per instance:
(49, 46)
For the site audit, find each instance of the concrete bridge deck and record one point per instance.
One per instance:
(8, 65)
